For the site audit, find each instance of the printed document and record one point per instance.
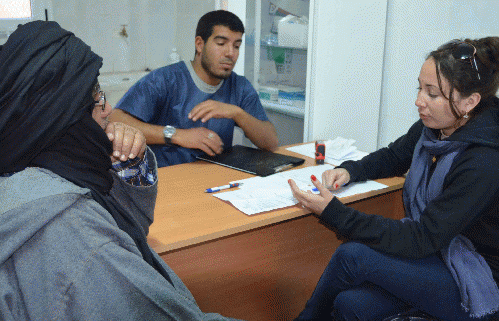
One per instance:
(262, 194)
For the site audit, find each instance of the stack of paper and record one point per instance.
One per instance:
(261, 194)
(338, 150)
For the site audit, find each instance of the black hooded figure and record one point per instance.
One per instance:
(46, 121)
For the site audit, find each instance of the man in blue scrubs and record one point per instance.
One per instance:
(189, 108)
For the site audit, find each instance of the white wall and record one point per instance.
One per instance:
(345, 70)
(154, 27)
(151, 27)
(163, 25)
(414, 28)
(188, 14)
(239, 9)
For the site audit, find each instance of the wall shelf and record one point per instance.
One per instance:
(264, 44)
(288, 110)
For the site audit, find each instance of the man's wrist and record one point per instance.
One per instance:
(168, 133)
(176, 138)
(239, 114)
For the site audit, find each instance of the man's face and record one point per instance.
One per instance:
(219, 53)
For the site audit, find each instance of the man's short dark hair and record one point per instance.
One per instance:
(218, 18)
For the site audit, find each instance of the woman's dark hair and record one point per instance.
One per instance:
(218, 18)
(462, 75)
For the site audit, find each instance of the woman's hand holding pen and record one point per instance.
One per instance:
(316, 203)
(335, 178)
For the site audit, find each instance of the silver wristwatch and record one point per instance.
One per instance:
(168, 132)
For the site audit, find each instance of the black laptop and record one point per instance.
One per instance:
(254, 161)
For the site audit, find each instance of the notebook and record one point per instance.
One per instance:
(254, 161)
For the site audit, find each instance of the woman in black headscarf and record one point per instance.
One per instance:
(73, 231)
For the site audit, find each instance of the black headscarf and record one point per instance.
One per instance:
(46, 80)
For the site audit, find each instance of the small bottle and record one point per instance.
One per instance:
(174, 56)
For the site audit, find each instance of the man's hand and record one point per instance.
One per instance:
(128, 142)
(213, 109)
(312, 202)
(199, 138)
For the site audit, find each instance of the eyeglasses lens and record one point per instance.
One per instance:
(102, 100)
(464, 51)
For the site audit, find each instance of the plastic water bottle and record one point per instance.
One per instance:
(174, 56)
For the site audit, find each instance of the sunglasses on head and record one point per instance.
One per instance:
(465, 52)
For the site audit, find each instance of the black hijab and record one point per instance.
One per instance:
(46, 80)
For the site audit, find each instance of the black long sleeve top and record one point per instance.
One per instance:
(468, 205)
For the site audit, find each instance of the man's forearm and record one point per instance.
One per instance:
(261, 133)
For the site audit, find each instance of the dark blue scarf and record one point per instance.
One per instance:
(479, 291)
(46, 80)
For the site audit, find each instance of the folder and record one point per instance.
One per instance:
(254, 161)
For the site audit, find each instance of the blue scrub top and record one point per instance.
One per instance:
(166, 96)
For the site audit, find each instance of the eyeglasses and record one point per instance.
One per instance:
(102, 97)
(466, 52)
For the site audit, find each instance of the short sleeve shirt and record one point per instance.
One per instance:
(166, 96)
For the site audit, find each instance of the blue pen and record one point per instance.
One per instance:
(219, 188)
(315, 189)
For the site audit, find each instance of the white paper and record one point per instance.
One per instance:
(339, 147)
(262, 194)
(355, 155)
(304, 149)
(358, 188)
(253, 202)
(338, 150)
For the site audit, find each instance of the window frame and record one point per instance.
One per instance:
(40, 10)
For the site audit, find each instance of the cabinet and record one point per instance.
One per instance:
(341, 68)
(276, 63)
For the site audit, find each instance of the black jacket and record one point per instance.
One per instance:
(468, 205)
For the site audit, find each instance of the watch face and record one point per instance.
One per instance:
(169, 131)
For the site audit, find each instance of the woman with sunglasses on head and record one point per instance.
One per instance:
(77, 193)
(442, 259)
